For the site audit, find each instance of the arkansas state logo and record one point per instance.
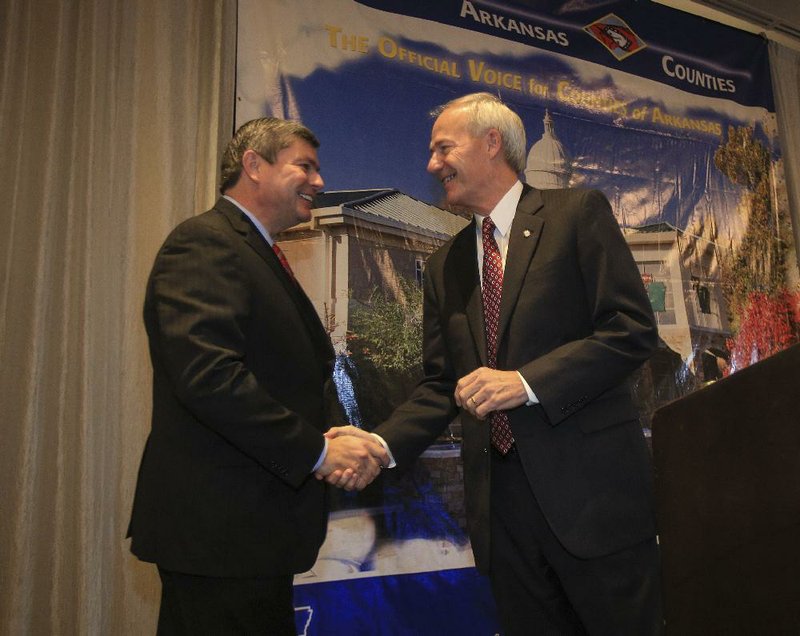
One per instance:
(614, 34)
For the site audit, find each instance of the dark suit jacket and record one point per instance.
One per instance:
(240, 360)
(575, 321)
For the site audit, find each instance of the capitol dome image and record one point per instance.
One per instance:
(548, 165)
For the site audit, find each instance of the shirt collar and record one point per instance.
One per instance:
(252, 217)
(503, 213)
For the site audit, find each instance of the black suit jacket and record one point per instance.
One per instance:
(240, 361)
(575, 321)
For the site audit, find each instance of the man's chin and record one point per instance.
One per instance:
(454, 203)
(303, 216)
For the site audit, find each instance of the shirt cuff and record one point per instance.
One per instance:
(532, 399)
(322, 456)
(383, 443)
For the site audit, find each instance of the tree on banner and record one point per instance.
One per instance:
(763, 310)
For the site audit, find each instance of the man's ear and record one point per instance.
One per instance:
(250, 163)
(494, 142)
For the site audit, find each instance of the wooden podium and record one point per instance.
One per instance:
(727, 463)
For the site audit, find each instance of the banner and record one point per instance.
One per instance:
(668, 114)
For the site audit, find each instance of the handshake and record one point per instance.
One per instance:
(355, 457)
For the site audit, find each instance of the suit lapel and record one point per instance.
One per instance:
(526, 230)
(464, 269)
(249, 234)
(252, 237)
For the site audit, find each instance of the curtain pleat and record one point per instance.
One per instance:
(785, 69)
(112, 115)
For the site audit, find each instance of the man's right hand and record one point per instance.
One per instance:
(352, 462)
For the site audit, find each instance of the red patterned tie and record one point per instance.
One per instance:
(502, 438)
(282, 258)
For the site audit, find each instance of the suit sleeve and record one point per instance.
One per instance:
(622, 332)
(198, 307)
(431, 407)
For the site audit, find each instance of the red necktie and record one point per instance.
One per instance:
(502, 438)
(282, 258)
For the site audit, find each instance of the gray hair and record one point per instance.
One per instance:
(266, 136)
(488, 111)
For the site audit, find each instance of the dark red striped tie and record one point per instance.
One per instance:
(282, 258)
(502, 438)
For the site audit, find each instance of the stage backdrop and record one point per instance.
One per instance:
(670, 115)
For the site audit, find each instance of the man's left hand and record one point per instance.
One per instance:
(486, 390)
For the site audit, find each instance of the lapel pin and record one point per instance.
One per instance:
(526, 233)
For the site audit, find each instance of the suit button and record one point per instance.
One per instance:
(485, 450)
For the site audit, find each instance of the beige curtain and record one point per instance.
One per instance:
(785, 68)
(112, 113)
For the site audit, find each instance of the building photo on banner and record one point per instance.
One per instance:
(670, 115)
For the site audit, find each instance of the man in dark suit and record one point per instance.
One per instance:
(226, 502)
(532, 326)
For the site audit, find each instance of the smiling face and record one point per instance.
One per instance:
(285, 188)
(463, 162)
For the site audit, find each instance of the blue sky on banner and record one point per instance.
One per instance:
(620, 79)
